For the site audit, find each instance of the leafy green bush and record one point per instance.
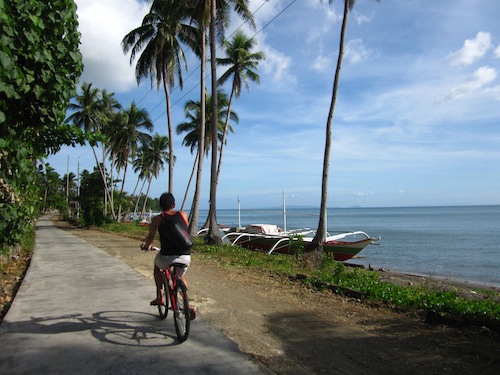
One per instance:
(18, 192)
(297, 246)
(39, 66)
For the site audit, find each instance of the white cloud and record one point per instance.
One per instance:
(103, 24)
(276, 66)
(361, 18)
(322, 63)
(497, 52)
(472, 50)
(495, 91)
(263, 11)
(356, 52)
(362, 193)
(479, 79)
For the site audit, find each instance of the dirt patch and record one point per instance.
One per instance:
(295, 330)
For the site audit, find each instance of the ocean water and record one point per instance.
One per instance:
(460, 243)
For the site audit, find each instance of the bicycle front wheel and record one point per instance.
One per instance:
(163, 309)
(181, 311)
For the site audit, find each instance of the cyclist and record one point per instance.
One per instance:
(176, 244)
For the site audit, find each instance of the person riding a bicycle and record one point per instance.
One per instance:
(175, 241)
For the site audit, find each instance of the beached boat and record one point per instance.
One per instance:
(271, 239)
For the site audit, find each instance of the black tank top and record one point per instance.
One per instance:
(174, 235)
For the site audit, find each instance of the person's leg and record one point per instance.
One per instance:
(184, 280)
(158, 276)
(159, 283)
(181, 271)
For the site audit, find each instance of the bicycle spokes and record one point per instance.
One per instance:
(163, 309)
(181, 312)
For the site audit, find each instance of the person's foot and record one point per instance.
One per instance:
(157, 302)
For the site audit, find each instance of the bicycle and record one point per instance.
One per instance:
(176, 299)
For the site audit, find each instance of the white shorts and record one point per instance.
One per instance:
(164, 261)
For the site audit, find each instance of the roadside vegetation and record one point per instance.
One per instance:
(13, 270)
(436, 306)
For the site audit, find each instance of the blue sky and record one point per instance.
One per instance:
(417, 121)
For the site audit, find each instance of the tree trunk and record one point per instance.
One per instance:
(224, 135)
(195, 205)
(213, 236)
(112, 184)
(139, 197)
(316, 245)
(189, 182)
(103, 176)
(170, 137)
(121, 191)
(146, 197)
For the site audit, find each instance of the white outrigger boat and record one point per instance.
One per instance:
(270, 238)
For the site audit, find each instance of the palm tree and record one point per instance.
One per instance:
(201, 18)
(316, 246)
(88, 115)
(216, 15)
(242, 68)
(219, 16)
(52, 189)
(193, 111)
(154, 160)
(108, 108)
(159, 38)
(125, 140)
(195, 114)
(142, 169)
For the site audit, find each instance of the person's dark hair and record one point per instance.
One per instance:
(167, 201)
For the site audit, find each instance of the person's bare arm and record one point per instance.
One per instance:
(153, 227)
(184, 216)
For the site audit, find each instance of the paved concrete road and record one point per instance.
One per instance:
(81, 311)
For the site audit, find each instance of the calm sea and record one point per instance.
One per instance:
(454, 242)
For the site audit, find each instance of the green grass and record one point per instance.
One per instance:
(367, 282)
(131, 229)
(27, 245)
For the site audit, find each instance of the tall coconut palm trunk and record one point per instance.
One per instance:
(224, 134)
(195, 163)
(146, 196)
(170, 136)
(139, 198)
(316, 246)
(121, 191)
(103, 176)
(213, 236)
(195, 206)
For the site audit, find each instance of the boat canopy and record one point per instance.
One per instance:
(263, 229)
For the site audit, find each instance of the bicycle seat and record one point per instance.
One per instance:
(181, 265)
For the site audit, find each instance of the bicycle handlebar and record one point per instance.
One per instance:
(151, 248)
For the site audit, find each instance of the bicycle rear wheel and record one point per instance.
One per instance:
(181, 312)
(163, 309)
